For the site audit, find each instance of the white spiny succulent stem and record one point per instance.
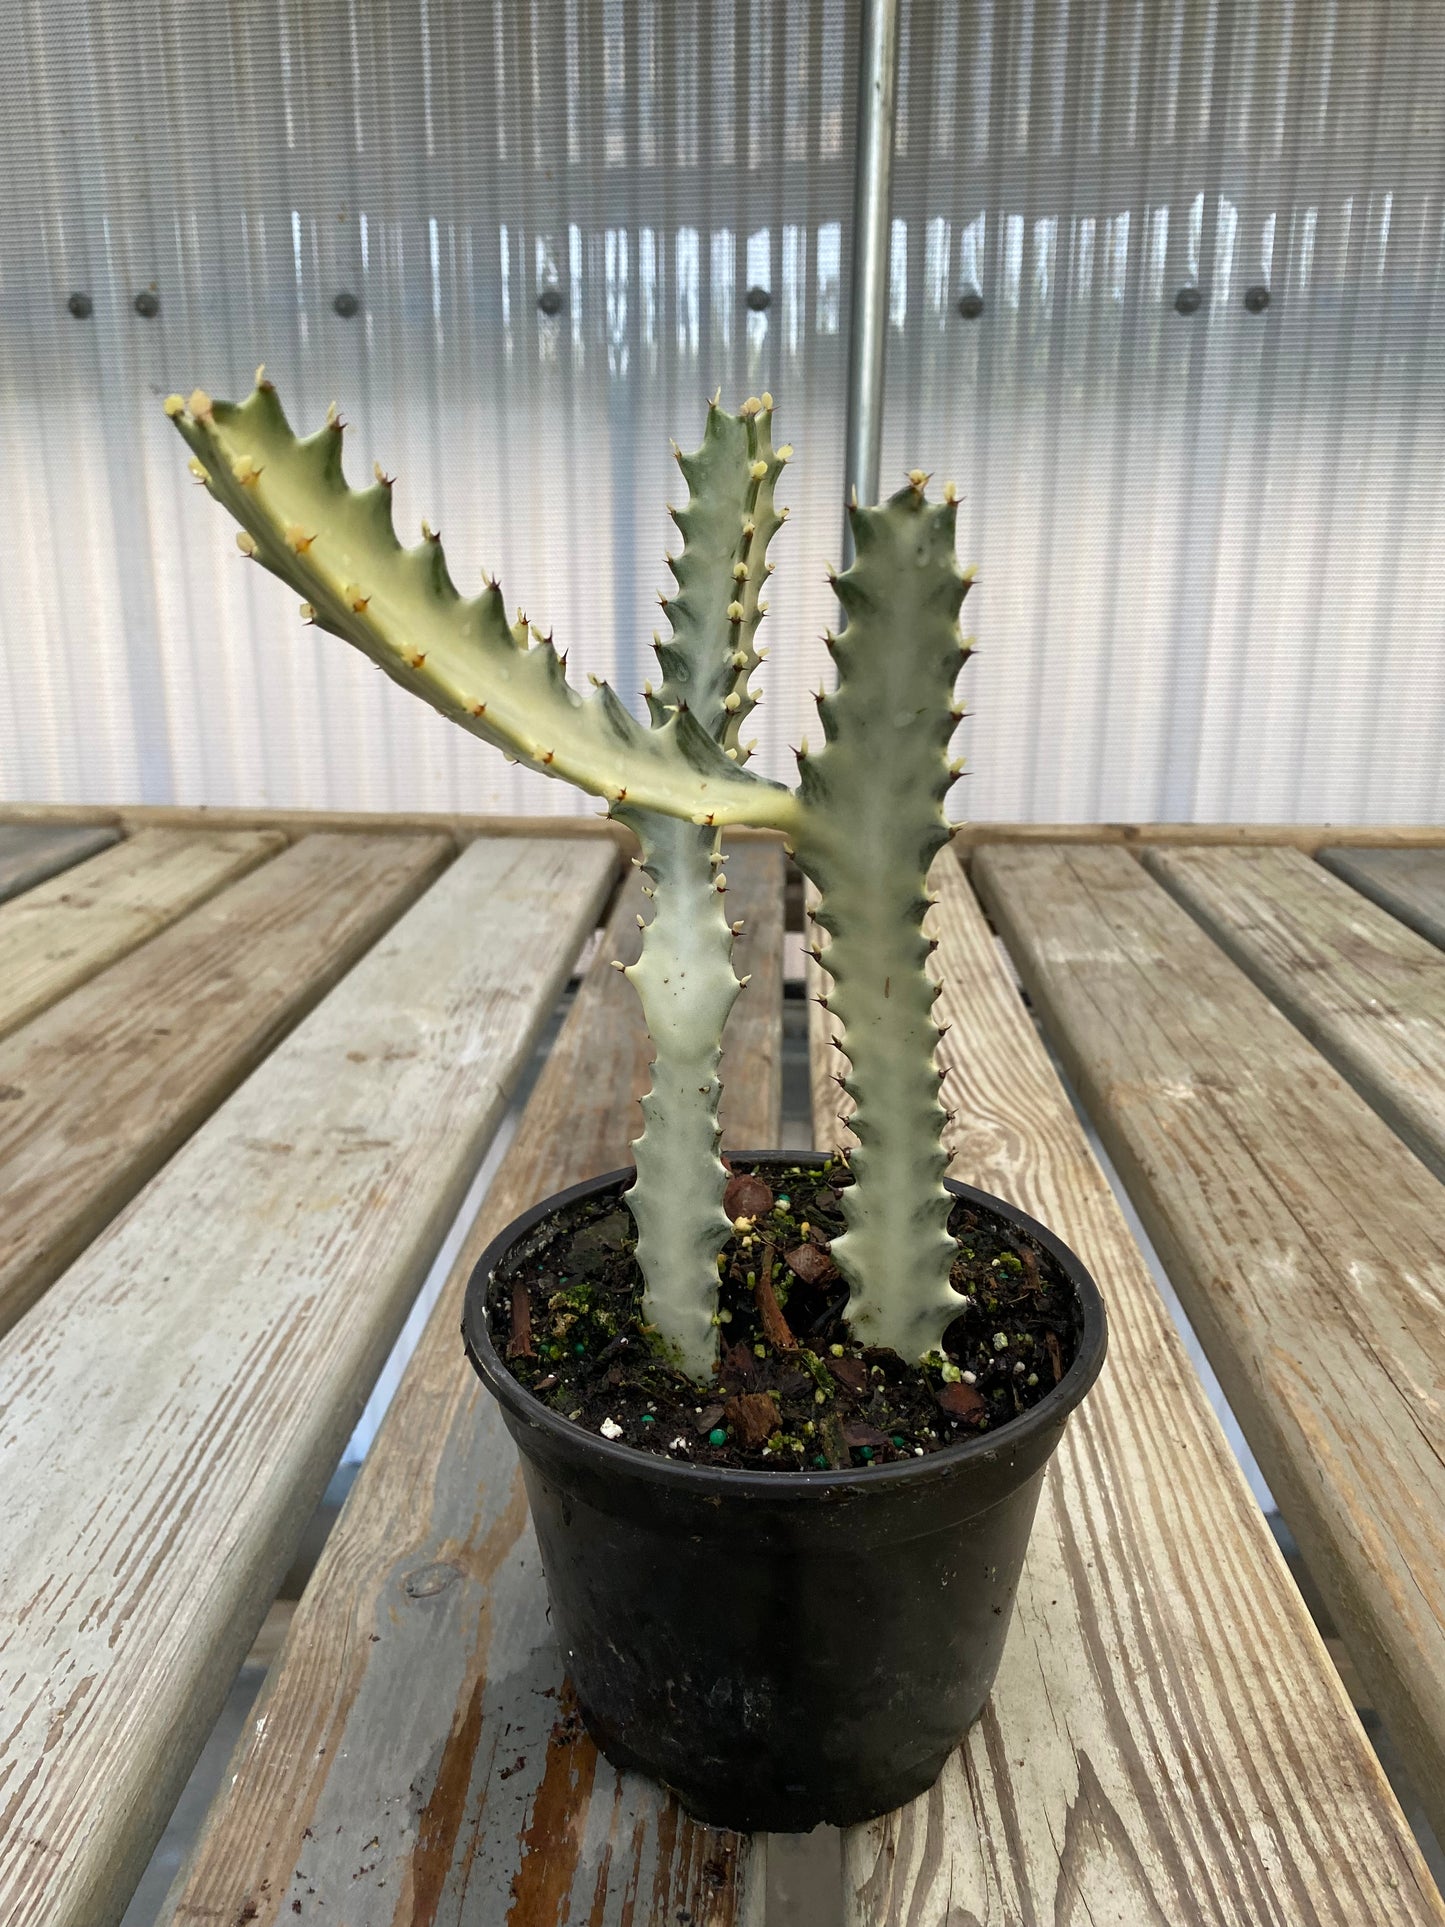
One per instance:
(685, 976)
(686, 981)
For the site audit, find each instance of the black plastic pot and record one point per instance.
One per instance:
(782, 1648)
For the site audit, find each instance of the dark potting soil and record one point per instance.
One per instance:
(793, 1392)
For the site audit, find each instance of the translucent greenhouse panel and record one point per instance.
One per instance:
(1210, 534)
(521, 244)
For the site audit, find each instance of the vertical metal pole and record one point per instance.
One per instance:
(868, 292)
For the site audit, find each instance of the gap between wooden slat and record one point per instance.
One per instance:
(98, 1091)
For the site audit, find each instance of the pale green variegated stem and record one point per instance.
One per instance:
(337, 548)
(685, 976)
(685, 979)
(872, 823)
(728, 521)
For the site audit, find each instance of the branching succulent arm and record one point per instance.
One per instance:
(337, 548)
(684, 976)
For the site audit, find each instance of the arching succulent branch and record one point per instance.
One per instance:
(337, 548)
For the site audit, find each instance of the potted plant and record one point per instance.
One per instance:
(783, 1420)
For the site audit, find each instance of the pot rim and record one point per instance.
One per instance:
(628, 1461)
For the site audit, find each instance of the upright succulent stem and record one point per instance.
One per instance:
(684, 975)
(872, 822)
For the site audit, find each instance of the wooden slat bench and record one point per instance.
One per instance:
(1302, 1235)
(56, 936)
(1365, 989)
(1168, 1741)
(101, 1088)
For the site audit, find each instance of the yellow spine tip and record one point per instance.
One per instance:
(758, 471)
(476, 709)
(200, 405)
(199, 470)
(732, 702)
(785, 453)
(245, 542)
(950, 493)
(245, 471)
(308, 612)
(297, 539)
(174, 405)
(261, 381)
(736, 612)
(767, 401)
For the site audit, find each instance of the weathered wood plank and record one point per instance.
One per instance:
(61, 933)
(1365, 989)
(31, 852)
(409, 1726)
(1167, 1741)
(170, 1414)
(1410, 884)
(1302, 1236)
(102, 1088)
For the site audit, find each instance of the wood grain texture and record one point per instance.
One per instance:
(170, 1414)
(1410, 884)
(1364, 989)
(31, 852)
(416, 1732)
(61, 933)
(1301, 1234)
(1167, 1741)
(97, 1092)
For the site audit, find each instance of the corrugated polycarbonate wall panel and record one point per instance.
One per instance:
(1211, 544)
(516, 243)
